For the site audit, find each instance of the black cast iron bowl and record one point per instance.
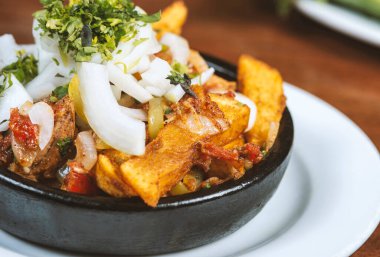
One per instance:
(105, 225)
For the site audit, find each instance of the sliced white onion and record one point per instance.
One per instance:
(116, 92)
(203, 78)
(42, 114)
(153, 90)
(175, 94)
(179, 47)
(42, 85)
(86, 150)
(157, 73)
(128, 84)
(137, 114)
(8, 50)
(158, 92)
(104, 114)
(13, 97)
(142, 65)
(133, 56)
(29, 49)
(252, 106)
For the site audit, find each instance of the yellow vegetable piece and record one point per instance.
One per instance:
(74, 95)
(179, 189)
(263, 85)
(155, 117)
(172, 19)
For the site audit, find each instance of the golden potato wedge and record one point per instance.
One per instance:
(167, 159)
(236, 113)
(217, 84)
(197, 62)
(238, 142)
(263, 85)
(172, 19)
(108, 178)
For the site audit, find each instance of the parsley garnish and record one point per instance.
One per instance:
(64, 145)
(184, 80)
(85, 27)
(24, 69)
(59, 93)
(6, 83)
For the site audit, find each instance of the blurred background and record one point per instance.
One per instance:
(337, 68)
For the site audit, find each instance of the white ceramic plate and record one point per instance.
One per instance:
(341, 19)
(327, 205)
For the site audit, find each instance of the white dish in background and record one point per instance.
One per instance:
(328, 203)
(344, 20)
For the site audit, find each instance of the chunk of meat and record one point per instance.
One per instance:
(47, 162)
(6, 154)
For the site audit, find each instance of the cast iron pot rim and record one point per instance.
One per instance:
(253, 176)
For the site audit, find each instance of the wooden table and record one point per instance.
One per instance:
(338, 69)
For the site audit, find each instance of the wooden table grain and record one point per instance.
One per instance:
(336, 68)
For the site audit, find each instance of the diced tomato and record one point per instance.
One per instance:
(219, 152)
(253, 153)
(24, 131)
(80, 183)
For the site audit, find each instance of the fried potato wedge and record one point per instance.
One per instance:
(197, 62)
(172, 19)
(263, 85)
(217, 84)
(167, 159)
(238, 142)
(237, 115)
(107, 175)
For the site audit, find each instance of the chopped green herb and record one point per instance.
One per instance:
(58, 75)
(59, 93)
(184, 80)
(151, 18)
(24, 69)
(64, 145)
(168, 111)
(180, 68)
(6, 83)
(85, 27)
(208, 185)
(55, 61)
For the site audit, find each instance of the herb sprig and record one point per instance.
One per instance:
(64, 144)
(177, 78)
(86, 27)
(24, 69)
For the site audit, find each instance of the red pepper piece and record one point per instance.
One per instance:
(80, 183)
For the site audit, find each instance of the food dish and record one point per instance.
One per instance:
(122, 226)
(354, 24)
(116, 102)
(309, 203)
